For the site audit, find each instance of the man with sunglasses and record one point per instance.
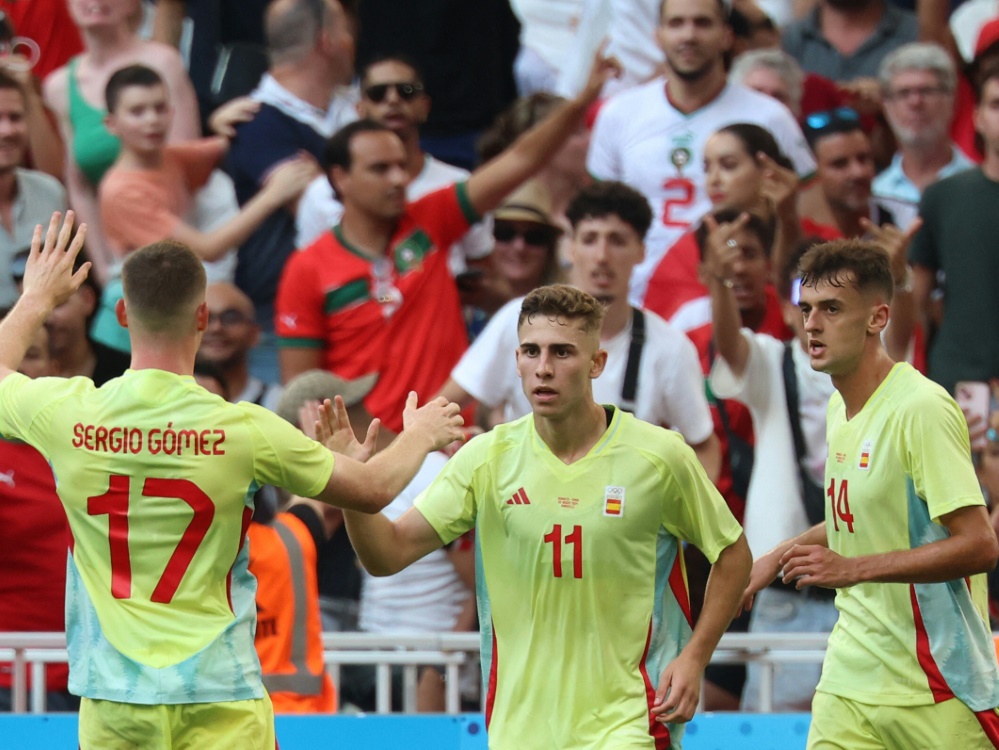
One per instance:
(393, 94)
(375, 294)
(839, 202)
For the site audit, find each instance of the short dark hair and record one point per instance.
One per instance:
(611, 198)
(723, 7)
(756, 139)
(394, 57)
(562, 301)
(763, 228)
(7, 81)
(837, 261)
(819, 125)
(130, 75)
(337, 153)
(162, 282)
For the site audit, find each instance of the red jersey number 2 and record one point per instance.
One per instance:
(840, 504)
(114, 504)
(685, 192)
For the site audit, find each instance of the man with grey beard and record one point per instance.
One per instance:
(917, 84)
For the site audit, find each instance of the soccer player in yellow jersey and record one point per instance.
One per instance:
(580, 513)
(906, 541)
(157, 477)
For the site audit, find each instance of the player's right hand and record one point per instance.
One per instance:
(49, 274)
(440, 420)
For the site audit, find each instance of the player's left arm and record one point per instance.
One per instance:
(680, 684)
(971, 548)
(49, 281)
(492, 182)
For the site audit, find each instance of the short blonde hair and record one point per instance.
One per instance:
(563, 301)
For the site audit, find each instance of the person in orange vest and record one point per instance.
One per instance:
(289, 638)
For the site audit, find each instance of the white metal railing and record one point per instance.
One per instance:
(448, 650)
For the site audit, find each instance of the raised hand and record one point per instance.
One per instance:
(780, 184)
(49, 274)
(721, 251)
(440, 420)
(332, 429)
(604, 68)
(894, 241)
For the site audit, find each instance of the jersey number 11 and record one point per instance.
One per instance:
(575, 538)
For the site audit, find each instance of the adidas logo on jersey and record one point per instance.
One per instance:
(519, 498)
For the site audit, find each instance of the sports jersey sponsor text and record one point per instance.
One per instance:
(169, 441)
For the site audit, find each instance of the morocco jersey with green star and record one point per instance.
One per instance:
(581, 586)
(157, 477)
(893, 470)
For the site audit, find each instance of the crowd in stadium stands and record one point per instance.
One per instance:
(318, 155)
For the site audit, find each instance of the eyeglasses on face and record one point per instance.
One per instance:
(407, 91)
(227, 318)
(539, 236)
(822, 120)
(923, 92)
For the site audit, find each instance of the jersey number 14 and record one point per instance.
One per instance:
(840, 505)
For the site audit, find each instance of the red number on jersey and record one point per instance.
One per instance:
(840, 504)
(686, 198)
(114, 504)
(575, 538)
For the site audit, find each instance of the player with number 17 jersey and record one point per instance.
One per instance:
(581, 586)
(905, 455)
(641, 139)
(157, 477)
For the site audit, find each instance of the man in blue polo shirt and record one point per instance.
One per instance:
(311, 47)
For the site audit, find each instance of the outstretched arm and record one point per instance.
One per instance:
(385, 547)
(49, 281)
(971, 548)
(369, 487)
(492, 182)
(680, 684)
(721, 253)
(768, 567)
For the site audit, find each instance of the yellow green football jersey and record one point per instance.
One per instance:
(157, 477)
(581, 585)
(892, 471)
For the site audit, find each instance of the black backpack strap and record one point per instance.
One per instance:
(630, 387)
(813, 501)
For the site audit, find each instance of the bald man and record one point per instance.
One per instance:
(232, 332)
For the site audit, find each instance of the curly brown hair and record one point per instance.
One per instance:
(863, 264)
(563, 301)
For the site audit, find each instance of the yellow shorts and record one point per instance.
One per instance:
(107, 725)
(842, 724)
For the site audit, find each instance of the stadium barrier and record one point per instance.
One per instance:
(32, 651)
